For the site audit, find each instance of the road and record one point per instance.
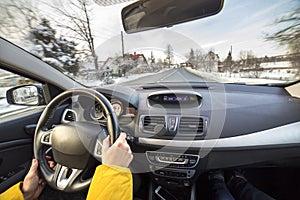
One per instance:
(171, 76)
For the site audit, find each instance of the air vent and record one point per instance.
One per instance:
(191, 125)
(150, 122)
(68, 116)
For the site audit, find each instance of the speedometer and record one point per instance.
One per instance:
(117, 106)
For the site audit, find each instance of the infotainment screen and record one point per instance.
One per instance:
(176, 99)
(172, 99)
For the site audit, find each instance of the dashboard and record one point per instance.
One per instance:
(179, 131)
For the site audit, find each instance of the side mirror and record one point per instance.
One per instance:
(26, 95)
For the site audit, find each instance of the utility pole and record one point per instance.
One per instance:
(122, 41)
(152, 57)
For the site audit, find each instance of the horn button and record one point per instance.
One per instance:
(69, 144)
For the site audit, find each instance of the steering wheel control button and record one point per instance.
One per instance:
(47, 138)
(98, 148)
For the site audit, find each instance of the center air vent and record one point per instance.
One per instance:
(171, 125)
(150, 122)
(191, 125)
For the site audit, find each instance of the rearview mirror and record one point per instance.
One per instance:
(149, 14)
(28, 95)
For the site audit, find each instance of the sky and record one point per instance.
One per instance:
(241, 24)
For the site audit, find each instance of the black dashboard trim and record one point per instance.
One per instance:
(287, 134)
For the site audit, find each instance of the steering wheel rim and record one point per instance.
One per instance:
(58, 178)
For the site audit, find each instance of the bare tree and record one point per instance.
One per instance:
(288, 34)
(200, 58)
(77, 20)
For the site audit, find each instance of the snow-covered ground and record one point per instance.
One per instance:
(235, 78)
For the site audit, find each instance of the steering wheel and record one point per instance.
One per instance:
(74, 143)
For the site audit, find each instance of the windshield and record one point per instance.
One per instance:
(252, 42)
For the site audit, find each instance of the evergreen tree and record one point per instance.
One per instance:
(58, 52)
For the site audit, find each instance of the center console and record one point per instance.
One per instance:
(172, 173)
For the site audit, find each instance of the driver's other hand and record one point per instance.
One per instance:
(118, 154)
(33, 185)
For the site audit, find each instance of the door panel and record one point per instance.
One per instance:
(15, 162)
(16, 144)
(16, 150)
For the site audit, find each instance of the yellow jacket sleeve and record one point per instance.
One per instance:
(13, 193)
(111, 182)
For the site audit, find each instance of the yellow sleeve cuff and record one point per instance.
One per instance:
(115, 167)
(111, 182)
(13, 192)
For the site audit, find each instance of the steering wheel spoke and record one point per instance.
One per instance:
(64, 177)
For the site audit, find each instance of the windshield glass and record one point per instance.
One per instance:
(252, 42)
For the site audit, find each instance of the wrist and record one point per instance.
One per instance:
(25, 194)
(116, 168)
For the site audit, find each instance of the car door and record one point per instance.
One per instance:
(17, 125)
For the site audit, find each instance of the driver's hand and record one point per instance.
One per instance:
(33, 185)
(118, 154)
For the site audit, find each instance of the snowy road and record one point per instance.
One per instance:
(170, 76)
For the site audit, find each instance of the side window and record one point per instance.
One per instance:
(9, 80)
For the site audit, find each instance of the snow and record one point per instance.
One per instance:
(234, 78)
(53, 61)
(45, 31)
(276, 64)
(65, 58)
(38, 48)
